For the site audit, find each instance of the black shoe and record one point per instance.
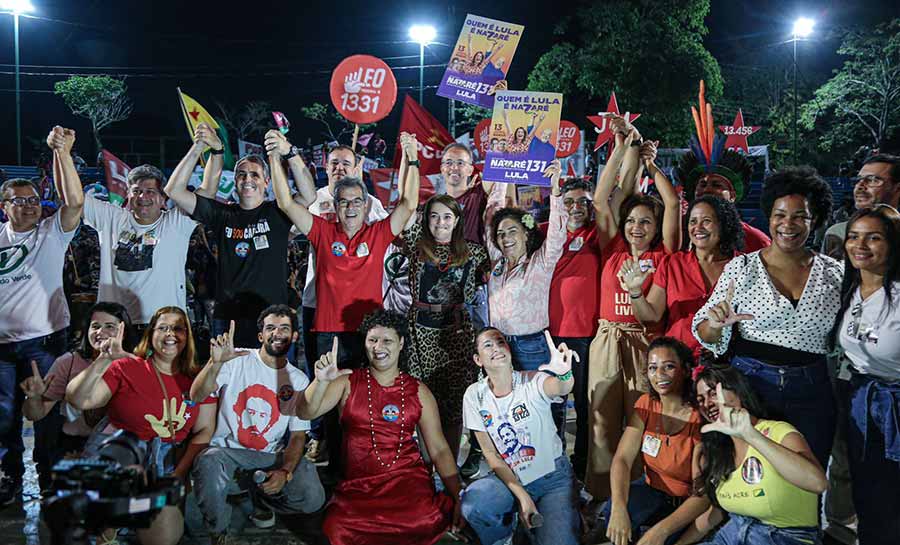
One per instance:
(472, 464)
(10, 491)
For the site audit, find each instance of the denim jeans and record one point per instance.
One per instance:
(219, 472)
(490, 508)
(876, 472)
(741, 530)
(478, 309)
(800, 395)
(646, 507)
(15, 366)
(530, 352)
(581, 346)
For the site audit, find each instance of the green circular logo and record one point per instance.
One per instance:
(11, 257)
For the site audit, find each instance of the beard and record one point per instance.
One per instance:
(251, 438)
(275, 353)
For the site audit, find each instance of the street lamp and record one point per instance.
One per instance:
(17, 7)
(423, 35)
(803, 27)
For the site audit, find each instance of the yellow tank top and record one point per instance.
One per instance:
(755, 489)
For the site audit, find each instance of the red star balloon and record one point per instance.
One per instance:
(601, 120)
(737, 133)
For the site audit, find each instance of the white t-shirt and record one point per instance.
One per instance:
(32, 302)
(257, 403)
(324, 208)
(520, 424)
(141, 266)
(873, 347)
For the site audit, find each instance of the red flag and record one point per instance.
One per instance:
(570, 170)
(116, 178)
(432, 136)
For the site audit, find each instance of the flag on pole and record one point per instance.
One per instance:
(116, 178)
(194, 114)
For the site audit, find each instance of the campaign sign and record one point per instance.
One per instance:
(482, 133)
(569, 139)
(525, 126)
(480, 59)
(363, 89)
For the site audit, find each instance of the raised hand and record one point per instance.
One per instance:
(731, 421)
(35, 386)
(206, 135)
(221, 348)
(553, 171)
(648, 152)
(499, 86)
(111, 348)
(327, 369)
(409, 145)
(61, 139)
(277, 143)
(353, 83)
(722, 314)
(561, 357)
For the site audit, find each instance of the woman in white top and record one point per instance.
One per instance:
(772, 310)
(868, 331)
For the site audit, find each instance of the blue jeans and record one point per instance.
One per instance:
(800, 395)
(15, 366)
(478, 309)
(874, 467)
(530, 352)
(490, 508)
(740, 530)
(581, 346)
(646, 507)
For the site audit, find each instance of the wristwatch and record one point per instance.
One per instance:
(219, 151)
(414, 163)
(294, 151)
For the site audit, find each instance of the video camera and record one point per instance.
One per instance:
(117, 488)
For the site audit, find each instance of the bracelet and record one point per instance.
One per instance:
(220, 151)
(638, 296)
(565, 376)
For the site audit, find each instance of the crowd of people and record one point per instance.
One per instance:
(716, 373)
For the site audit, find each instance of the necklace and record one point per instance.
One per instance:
(372, 418)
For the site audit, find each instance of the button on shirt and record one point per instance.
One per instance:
(776, 321)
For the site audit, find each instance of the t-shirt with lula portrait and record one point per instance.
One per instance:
(252, 268)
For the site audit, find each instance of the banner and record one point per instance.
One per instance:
(526, 126)
(431, 135)
(482, 134)
(363, 89)
(116, 178)
(245, 148)
(480, 59)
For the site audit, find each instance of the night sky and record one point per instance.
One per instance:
(283, 52)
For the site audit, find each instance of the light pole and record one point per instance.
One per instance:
(803, 27)
(423, 35)
(17, 7)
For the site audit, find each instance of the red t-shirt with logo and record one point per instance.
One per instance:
(686, 292)
(754, 239)
(473, 203)
(575, 286)
(137, 400)
(348, 272)
(615, 303)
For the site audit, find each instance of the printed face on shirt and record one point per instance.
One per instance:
(441, 222)
(493, 351)
(665, 371)
(579, 204)
(508, 435)
(256, 408)
(169, 335)
(383, 346)
(250, 180)
(22, 217)
(876, 186)
(715, 185)
(351, 208)
(867, 245)
(790, 223)
(512, 239)
(277, 335)
(706, 400)
(703, 227)
(640, 227)
(456, 168)
(341, 163)
(146, 200)
(103, 326)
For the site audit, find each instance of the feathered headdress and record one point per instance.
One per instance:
(708, 154)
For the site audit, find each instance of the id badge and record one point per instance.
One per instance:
(650, 446)
(261, 242)
(645, 264)
(362, 250)
(576, 244)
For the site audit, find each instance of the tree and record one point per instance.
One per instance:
(336, 126)
(468, 116)
(650, 52)
(254, 119)
(861, 102)
(101, 99)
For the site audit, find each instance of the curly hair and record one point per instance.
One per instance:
(534, 236)
(387, 319)
(656, 208)
(685, 356)
(803, 181)
(687, 174)
(279, 310)
(731, 232)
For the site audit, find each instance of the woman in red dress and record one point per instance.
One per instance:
(387, 495)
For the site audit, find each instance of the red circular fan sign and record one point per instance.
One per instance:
(363, 89)
(482, 136)
(569, 139)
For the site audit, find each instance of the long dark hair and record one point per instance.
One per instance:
(717, 463)
(685, 356)
(731, 233)
(533, 235)
(459, 250)
(84, 349)
(890, 222)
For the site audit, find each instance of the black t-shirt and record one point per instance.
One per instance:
(252, 269)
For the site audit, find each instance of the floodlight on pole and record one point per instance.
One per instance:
(422, 35)
(803, 27)
(17, 7)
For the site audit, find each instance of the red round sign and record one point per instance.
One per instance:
(482, 136)
(569, 139)
(363, 89)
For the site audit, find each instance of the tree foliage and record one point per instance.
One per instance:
(468, 116)
(336, 126)
(252, 121)
(101, 99)
(650, 52)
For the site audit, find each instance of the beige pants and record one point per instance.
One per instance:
(616, 379)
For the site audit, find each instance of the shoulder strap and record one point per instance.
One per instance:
(169, 424)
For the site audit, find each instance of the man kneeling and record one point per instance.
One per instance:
(257, 391)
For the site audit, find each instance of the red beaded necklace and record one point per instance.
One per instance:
(372, 418)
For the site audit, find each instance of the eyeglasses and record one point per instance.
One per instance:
(351, 203)
(584, 201)
(450, 163)
(871, 180)
(22, 201)
(166, 329)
